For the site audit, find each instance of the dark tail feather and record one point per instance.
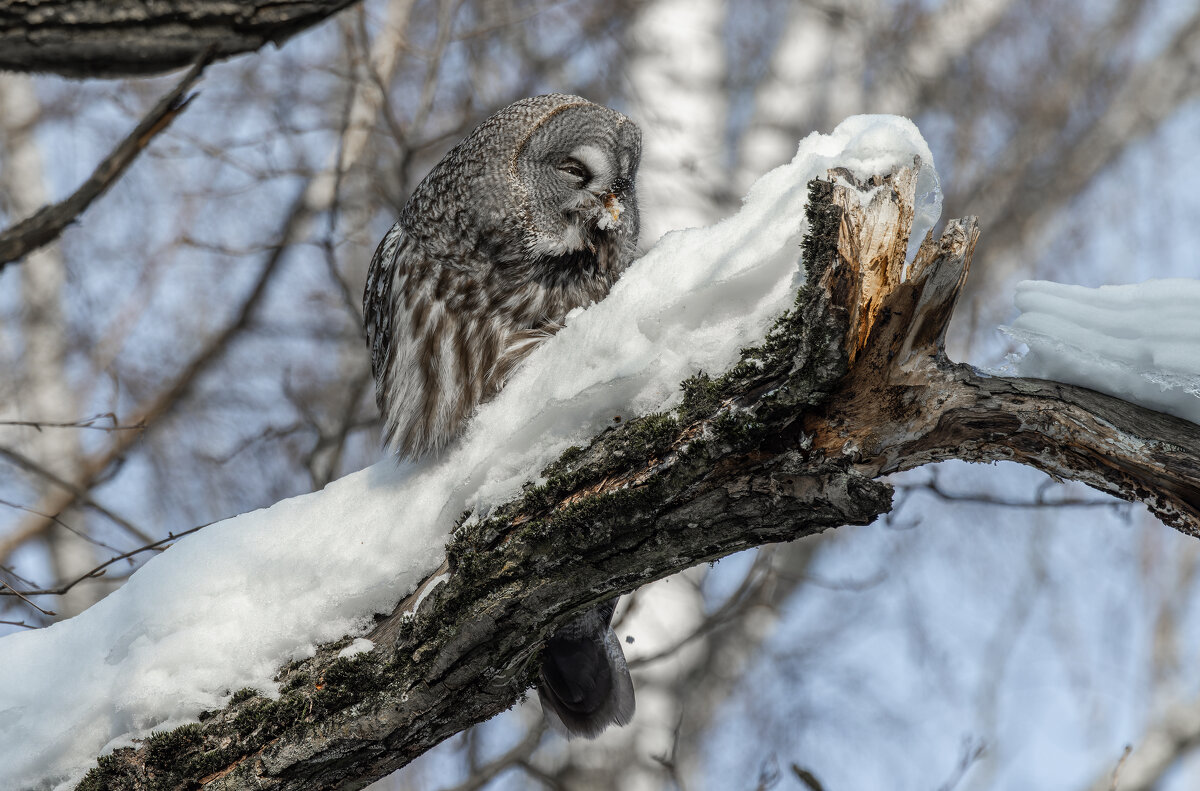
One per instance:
(585, 684)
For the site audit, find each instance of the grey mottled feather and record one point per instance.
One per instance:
(532, 215)
(479, 267)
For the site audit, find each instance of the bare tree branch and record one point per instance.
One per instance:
(81, 495)
(515, 756)
(95, 466)
(87, 422)
(317, 195)
(49, 222)
(1166, 742)
(14, 592)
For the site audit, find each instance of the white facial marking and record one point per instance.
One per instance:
(545, 244)
(598, 163)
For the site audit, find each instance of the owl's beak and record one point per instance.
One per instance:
(612, 205)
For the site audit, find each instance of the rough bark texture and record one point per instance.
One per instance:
(849, 385)
(120, 38)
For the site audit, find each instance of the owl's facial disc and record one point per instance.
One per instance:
(595, 199)
(576, 170)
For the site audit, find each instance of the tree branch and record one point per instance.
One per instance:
(850, 385)
(49, 222)
(103, 38)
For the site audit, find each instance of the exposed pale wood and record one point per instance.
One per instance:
(905, 404)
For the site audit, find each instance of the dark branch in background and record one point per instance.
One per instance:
(850, 385)
(170, 396)
(482, 775)
(1040, 500)
(98, 571)
(102, 38)
(87, 422)
(82, 495)
(49, 222)
(806, 777)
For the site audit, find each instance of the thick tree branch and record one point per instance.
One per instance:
(120, 38)
(49, 222)
(848, 386)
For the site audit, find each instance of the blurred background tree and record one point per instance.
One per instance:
(198, 332)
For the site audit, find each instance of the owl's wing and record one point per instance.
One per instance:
(377, 304)
(437, 349)
(412, 335)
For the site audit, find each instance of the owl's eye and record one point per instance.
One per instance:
(576, 170)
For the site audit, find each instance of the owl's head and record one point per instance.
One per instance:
(543, 188)
(573, 172)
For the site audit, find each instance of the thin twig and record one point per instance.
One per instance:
(972, 751)
(808, 778)
(933, 486)
(544, 778)
(21, 596)
(1116, 775)
(48, 222)
(731, 608)
(56, 519)
(21, 460)
(86, 422)
(98, 571)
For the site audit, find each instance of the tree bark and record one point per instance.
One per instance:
(850, 385)
(123, 38)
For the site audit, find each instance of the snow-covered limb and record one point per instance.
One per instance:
(226, 607)
(850, 385)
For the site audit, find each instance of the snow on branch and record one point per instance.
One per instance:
(593, 473)
(1138, 342)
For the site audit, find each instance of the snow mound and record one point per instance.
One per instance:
(1137, 342)
(225, 607)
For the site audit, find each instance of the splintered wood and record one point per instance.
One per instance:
(871, 280)
(903, 403)
(876, 221)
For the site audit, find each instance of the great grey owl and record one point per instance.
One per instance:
(530, 216)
